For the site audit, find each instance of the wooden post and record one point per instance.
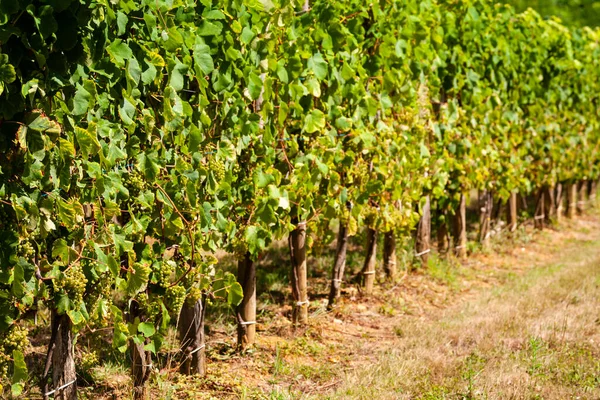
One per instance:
(539, 215)
(297, 243)
(141, 360)
(191, 335)
(389, 255)
(549, 205)
(486, 205)
(368, 271)
(460, 228)
(246, 310)
(558, 201)
(423, 242)
(64, 377)
(512, 212)
(581, 197)
(571, 200)
(339, 266)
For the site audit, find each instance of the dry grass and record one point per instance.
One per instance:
(535, 337)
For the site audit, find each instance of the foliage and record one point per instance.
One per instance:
(140, 137)
(572, 12)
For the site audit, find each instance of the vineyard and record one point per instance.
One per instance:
(141, 140)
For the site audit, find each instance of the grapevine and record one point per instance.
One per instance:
(139, 138)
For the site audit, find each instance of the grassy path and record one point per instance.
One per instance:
(536, 336)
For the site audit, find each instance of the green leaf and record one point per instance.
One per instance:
(247, 35)
(63, 304)
(203, 59)
(42, 123)
(87, 141)
(127, 112)
(119, 51)
(314, 87)
(147, 329)
(121, 23)
(318, 65)
(137, 279)
(149, 74)
(214, 14)
(343, 124)
(19, 372)
(282, 73)
(151, 347)
(177, 76)
(119, 338)
(207, 28)
(314, 121)
(106, 261)
(18, 277)
(16, 389)
(254, 86)
(62, 251)
(235, 294)
(70, 214)
(81, 101)
(7, 71)
(148, 164)
(134, 72)
(76, 317)
(253, 239)
(262, 179)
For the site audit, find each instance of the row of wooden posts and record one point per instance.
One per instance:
(551, 204)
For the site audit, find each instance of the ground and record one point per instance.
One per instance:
(518, 320)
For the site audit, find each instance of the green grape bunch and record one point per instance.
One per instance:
(175, 296)
(72, 283)
(164, 272)
(135, 184)
(14, 339)
(217, 167)
(193, 296)
(26, 250)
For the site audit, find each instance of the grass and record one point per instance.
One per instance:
(533, 338)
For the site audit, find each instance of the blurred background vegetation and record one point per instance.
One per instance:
(571, 12)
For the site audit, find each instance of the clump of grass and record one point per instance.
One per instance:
(442, 269)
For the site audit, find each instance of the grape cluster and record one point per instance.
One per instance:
(89, 360)
(151, 308)
(25, 249)
(165, 272)
(194, 295)
(236, 169)
(72, 282)
(135, 184)
(99, 288)
(122, 327)
(14, 339)
(176, 297)
(217, 168)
